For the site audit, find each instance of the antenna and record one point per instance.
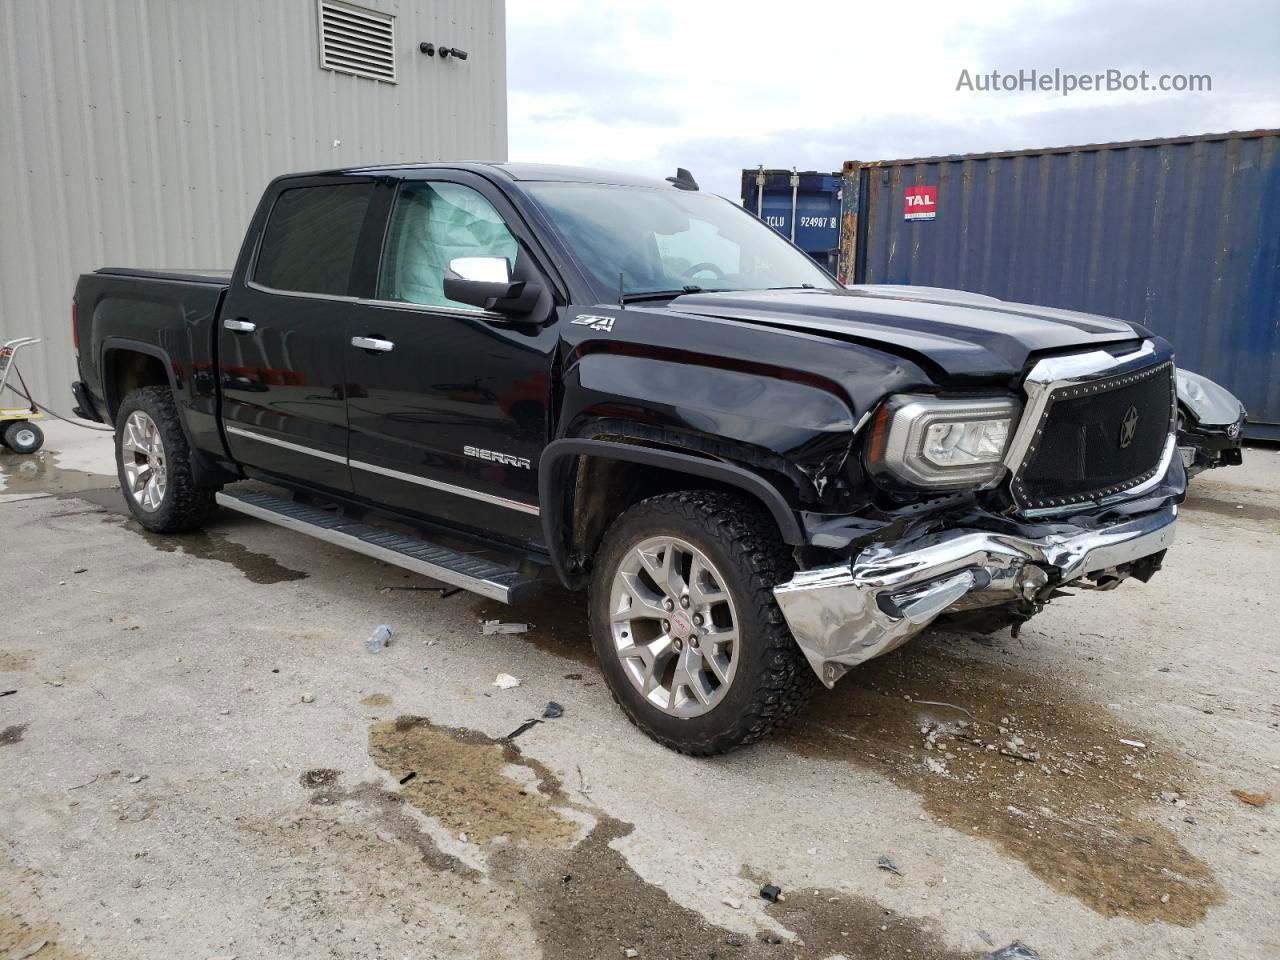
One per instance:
(621, 297)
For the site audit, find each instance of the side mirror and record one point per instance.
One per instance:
(486, 282)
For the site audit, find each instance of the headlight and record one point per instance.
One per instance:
(942, 443)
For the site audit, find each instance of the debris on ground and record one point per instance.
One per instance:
(488, 627)
(1014, 951)
(630, 952)
(771, 892)
(733, 903)
(1254, 798)
(137, 778)
(884, 863)
(527, 725)
(308, 698)
(505, 681)
(1137, 744)
(376, 642)
(7, 693)
(552, 710)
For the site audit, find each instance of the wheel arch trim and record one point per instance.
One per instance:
(552, 487)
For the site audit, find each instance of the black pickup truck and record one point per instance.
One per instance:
(515, 377)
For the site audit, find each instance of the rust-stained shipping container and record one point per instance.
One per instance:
(1181, 235)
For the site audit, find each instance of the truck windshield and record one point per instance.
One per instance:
(671, 241)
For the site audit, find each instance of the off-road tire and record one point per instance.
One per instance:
(185, 506)
(773, 680)
(17, 431)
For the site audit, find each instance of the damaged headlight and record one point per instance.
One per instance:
(942, 443)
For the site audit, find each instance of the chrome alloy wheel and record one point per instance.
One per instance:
(142, 456)
(674, 626)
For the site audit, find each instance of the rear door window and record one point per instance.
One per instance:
(309, 244)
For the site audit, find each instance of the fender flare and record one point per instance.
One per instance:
(552, 487)
(133, 346)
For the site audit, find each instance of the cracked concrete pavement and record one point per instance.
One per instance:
(167, 791)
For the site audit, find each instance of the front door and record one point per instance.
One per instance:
(281, 355)
(448, 404)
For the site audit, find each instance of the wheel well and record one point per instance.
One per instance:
(125, 371)
(601, 488)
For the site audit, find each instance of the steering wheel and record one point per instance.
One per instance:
(699, 267)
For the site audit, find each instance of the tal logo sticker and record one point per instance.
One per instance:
(920, 203)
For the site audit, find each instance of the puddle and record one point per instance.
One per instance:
(39, 473)
(461, 778)
(584, 900)
(1076, 813)
(557, 623)
(377, 700)
(14, 661)
(588, 902)
(214, 545)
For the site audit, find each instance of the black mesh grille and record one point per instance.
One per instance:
(1097, 439)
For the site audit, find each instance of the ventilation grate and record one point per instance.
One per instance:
(357, 41)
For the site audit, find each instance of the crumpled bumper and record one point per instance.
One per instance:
(844, 615)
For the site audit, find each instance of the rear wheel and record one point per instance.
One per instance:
(22, 436)
(690, 639)
(154, 464)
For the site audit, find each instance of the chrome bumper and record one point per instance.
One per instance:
(844, 615)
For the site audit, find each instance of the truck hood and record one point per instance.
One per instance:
(964, 335)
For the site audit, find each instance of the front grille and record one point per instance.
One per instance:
(1097, 439)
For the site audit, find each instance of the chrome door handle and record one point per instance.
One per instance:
(373, 343)
(240, 326)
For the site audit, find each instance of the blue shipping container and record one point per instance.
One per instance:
(1181, 235)
(816, 214)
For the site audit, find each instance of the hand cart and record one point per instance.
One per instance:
(17, 432)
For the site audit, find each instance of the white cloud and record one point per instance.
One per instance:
(716, 86)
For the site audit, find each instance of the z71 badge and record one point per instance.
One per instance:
(603, 324)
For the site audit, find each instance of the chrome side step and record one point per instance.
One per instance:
(476, 574)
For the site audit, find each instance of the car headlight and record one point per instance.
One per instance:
(942, 443)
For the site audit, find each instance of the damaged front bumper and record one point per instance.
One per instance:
(844, 615)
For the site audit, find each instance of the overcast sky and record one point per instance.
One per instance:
(718, 85)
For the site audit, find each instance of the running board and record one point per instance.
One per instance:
(476, 574)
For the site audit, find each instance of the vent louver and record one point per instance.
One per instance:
(357, 41)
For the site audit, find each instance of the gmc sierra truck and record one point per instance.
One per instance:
(515, 377)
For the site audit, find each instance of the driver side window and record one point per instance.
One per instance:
(432, 224)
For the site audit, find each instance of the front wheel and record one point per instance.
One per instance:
(154, 464)
(690, 639)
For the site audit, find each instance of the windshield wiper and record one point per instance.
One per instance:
(799, 286)
(667, 294)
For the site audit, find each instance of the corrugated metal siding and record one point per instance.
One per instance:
(1180, 235)
(141, 132)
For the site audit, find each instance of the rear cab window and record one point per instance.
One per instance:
(310, 241)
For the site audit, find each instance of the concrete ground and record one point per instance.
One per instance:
(201, 760)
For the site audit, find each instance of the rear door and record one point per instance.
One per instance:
(281, 353)
(450, 412)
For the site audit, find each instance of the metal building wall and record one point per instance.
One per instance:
(141, 132)
(1181, 235)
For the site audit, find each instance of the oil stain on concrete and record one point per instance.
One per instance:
(24, 929)
(583, 899)
(12, 734)
(15, 661)
(1028, 764)
(376, 700)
